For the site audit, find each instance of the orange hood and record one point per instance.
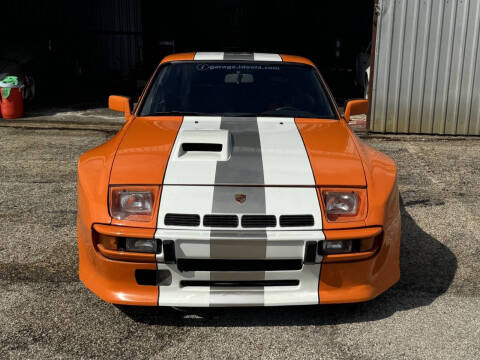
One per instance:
(332, 151)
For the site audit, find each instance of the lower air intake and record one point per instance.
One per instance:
(238, 265)
(241, 284)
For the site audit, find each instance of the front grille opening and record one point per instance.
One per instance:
(259, 221)
(153, 277)
(296, 220)
(239, 265)
(243, 284)
(202, 147)
(229, 221)
(182, 219)
(146, 277)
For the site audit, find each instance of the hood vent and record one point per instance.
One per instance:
(203, 145)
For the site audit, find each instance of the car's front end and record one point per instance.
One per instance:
(237, 209)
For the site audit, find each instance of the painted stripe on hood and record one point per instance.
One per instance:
(261, 149)
(245, 164)
(265, 151)
(285, 159)
(192, 172)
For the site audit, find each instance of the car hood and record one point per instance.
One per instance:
(237, 151)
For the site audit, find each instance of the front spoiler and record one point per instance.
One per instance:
(344, 282)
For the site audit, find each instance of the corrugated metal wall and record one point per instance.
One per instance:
(427, 67)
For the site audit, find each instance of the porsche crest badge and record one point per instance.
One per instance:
(240, 198)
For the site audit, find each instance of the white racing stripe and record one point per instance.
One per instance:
(192, 172)
(208, 56)
(294, 201)
(285, 160)
(284, 167)
(184, 200)
(266, 57)
(217, 56)
(306, 293)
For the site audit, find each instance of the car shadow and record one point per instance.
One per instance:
(427, 270)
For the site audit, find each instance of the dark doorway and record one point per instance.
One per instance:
(330, 33)
(83, 50)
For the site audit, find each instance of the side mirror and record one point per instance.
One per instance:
(355, 107)
(120, 104)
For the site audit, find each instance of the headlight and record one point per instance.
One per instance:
(341, 203)
(134, 203)
(344, 205)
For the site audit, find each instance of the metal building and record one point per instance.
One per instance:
(427, 67)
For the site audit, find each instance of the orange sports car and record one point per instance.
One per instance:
(235, 181)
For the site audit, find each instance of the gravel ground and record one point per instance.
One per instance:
(46, 312)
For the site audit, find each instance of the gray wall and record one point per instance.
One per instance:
(427, 67)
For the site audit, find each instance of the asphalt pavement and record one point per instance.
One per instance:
(46, 312)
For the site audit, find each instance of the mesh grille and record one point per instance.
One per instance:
(220, 220)
(259, 221)
(232, 221)
(296, 220)
(182, 219)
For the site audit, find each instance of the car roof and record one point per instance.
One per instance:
(236, 56)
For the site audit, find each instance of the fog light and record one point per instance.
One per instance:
(335, 247)
(141, 245)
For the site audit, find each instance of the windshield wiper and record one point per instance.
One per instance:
(179, 113)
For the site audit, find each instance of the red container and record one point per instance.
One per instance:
(12, 107)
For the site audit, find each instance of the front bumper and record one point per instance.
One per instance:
(315, 281)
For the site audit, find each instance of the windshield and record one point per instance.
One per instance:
(237, 89)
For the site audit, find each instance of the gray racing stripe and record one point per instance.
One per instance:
(238, 56)
(230, 244)
(245, 166)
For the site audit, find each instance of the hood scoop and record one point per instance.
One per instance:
(200, 145)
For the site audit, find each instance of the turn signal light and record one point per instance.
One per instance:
(108, 242)
(137, 245)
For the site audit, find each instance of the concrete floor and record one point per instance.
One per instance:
(45, 312)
